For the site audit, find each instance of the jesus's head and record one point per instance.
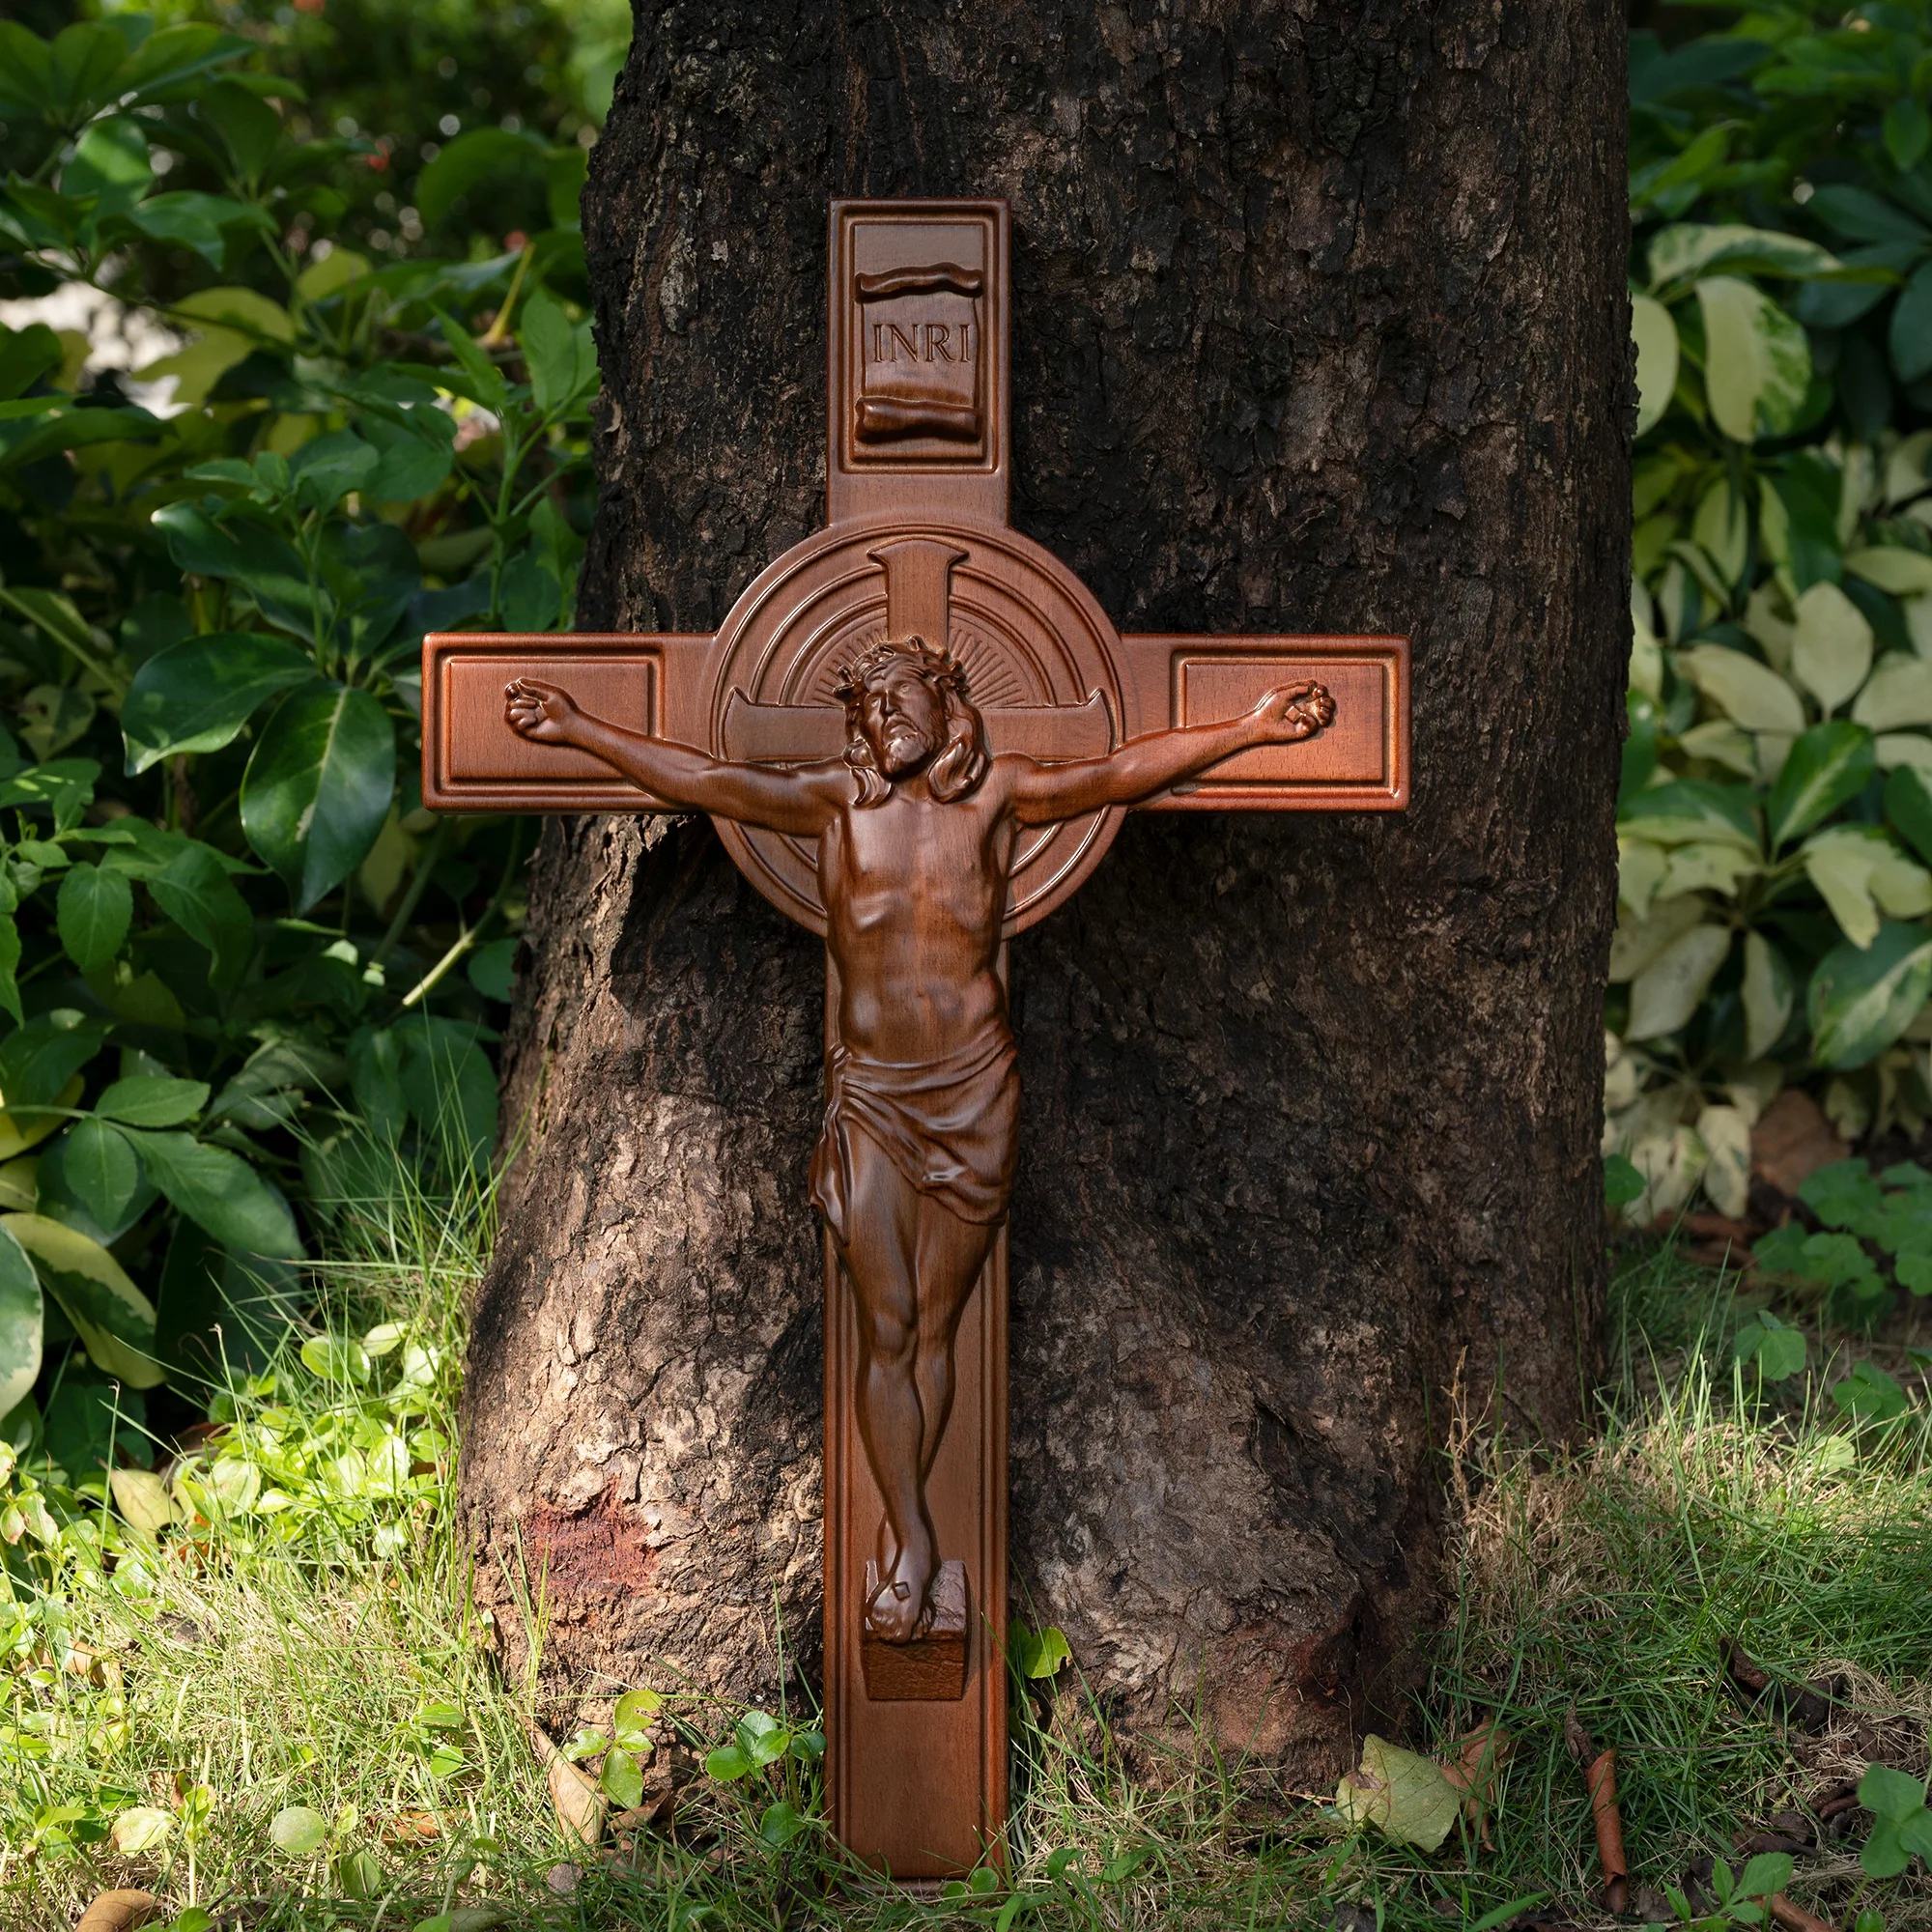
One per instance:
(907, 712)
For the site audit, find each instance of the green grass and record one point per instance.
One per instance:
(326, 1655)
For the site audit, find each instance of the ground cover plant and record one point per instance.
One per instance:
(252, 1683)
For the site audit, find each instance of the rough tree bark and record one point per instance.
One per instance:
(1319, 325)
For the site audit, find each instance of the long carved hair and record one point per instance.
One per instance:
(962, 758)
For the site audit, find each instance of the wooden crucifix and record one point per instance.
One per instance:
(917, 734)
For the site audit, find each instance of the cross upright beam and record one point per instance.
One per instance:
(789, 713)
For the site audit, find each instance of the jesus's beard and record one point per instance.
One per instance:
(902, 748)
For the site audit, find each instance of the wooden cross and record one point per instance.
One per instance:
(917, 803)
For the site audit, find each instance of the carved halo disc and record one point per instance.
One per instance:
(1029, 634)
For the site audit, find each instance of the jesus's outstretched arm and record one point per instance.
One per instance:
(1044, 794)
(801, 801)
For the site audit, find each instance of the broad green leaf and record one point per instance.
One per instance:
(335, 1358)
(1841, 864)
(250, 130)
(415, 453)
(1778, 1352)
(1826, 766)
(325, 469)
(330, 274)
(142, 1498)
(1908, 804)
(469, 161)
(317, 787)
(1750, 692)
(38, 1059)
(152, 1100)
(1688, 248)
(622, 1782)
(1904, 573)
(10, 967)
(140, 1828)
(1400, 1792)
(1898, 692)
(113, 1318)
(20, 1323)
(1665, 994)
(196, 893)
(218, 1313)
(110, 162)
(782, 1823)
(1757, 368)
(1911, 334)
(93, 911)
(1860, 999)
(1642, 939)
(1859, 215)
(26, 354)
(244, 310)
(1690, 810)
(1870, 1394)
(1726, 1180)
(102, 1169)
(1767, 993)
(197, 696)
(220, 1191)
(1758, 361)
(486, 380)
(299, 1830)
(562, 363)
(492, 968)
(201, 222)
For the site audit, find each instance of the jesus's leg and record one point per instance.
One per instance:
(882, 1218)
(949, 1255)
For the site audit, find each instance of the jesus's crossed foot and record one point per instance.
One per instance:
(901, 1609)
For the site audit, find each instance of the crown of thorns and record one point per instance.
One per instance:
(940, 667)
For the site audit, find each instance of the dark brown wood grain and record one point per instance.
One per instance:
(1317, 328)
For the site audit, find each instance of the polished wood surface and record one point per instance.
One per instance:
(917, 733)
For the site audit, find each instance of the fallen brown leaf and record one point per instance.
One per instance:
(410, 1828)
(1599, 1779)
(119, 1912)
(1793, 1140)
(579, 1804)
(1793, 1917)
(1475, 1773)
(1810, 1704)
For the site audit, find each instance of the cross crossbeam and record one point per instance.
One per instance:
(917, 733)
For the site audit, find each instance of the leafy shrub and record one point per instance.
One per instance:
(1775, 811)
(229, 933)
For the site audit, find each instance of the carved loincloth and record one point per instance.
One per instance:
(950, 1126)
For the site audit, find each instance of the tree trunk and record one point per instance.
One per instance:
(1319, 325)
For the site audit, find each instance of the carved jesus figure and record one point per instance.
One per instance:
(917, 827)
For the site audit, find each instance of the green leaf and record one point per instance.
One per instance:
(468, 160)
(416, 452)
(1404, 1794)
(219, 1313)
(1911, 335)
(1914, 1269)
(152, 1100)
(1908, 804)
(1622, 1183)
(562, 363)
(262, 564)
(220, 1191)
(10, 967)
(1780, 1351)
(1844, 1195)
(486, 380)
(1859, 215)
(492, 968)
(1890, 1794)
(250, 130)
(110, 163)
(26, 354)
(1758, 366)
(113, 1318)
(1861, 1001)
(93, 911)
(1688, 248)
(325, 469)
(197, 696)
(196, 893)
(40, 1057)
(102, 1169)
(781, 1824)
(1828, 766)
(299, 1830)
(20, 1323)
(142, 1498)
(1869, 1393)
(622, 1782)
(317, 787)
(727, 1764)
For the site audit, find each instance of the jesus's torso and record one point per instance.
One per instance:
(915, 893)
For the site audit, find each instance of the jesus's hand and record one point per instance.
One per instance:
(541, 711)
(1293, 711)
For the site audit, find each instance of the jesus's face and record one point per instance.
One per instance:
(903, 720)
